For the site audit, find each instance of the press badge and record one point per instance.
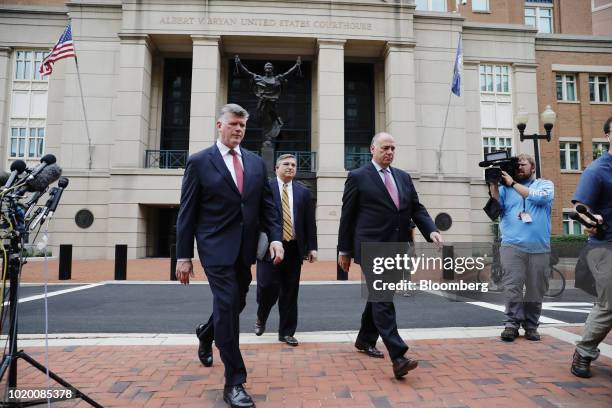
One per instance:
(525, 217)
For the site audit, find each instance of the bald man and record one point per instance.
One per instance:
(378, 205)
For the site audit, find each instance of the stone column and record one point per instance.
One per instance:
(133, 101)
(330, 102)
(5, 85)
(204, 88)
(330, 143)
(400, 103)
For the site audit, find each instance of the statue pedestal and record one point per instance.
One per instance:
(267, 154)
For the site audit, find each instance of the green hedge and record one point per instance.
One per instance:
(568, 238)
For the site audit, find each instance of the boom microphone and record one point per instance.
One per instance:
(54, 201)
(46, 160)
(17, 167)
(48, 175)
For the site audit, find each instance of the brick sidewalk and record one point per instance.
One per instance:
(481, 372)
(154, 269)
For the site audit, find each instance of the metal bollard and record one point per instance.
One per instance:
(65, 262)
(121, 262)
(173, 262)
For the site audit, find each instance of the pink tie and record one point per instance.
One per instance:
(237, 170)
(391, 187)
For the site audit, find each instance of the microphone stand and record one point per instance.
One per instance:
(9, 361)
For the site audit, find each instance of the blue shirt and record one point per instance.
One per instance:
(595, 190)
(533, 237)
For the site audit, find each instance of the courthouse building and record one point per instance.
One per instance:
(155, 73)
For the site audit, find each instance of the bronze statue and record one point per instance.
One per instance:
(267, 88)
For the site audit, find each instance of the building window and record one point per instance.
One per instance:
(599, 148)
(569, 154)
(566, 87)
(27, 143)
(492, 144)
(480, 5)
(28, 106)
(571, 227)
(598, 88)
(495, 78)
(431, 5)
(27, 64)
(540, 17)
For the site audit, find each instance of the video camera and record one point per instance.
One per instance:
(496, 162)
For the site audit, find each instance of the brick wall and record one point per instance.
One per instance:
(582, 119)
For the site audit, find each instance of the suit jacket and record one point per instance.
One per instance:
(369, 214)
(304, 223)
(224, 223)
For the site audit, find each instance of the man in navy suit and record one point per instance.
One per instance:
(281, 282)
(378, 204)
(225, 201)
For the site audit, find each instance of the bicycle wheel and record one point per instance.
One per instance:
(558, 288)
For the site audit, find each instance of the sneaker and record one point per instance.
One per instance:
(509, 334)
(532, 334)
(581, 366)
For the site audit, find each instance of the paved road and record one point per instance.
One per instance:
(172, 308)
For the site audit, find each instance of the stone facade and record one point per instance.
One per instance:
(121, 47)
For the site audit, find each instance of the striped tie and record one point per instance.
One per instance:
(287, 227)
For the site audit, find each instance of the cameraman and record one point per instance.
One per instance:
(594, 191)
(526, 205)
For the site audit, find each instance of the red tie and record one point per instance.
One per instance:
(237, 170)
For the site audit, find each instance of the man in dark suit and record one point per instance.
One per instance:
(378, 204)
(281, 282)
(225, 201)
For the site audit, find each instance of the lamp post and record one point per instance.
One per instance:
(547, 117)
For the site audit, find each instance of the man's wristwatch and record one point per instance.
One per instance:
(512, 185)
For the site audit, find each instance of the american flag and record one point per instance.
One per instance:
(63, 49)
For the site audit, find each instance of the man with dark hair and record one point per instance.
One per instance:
(526, 206)
(378, 204)
(594, 191)
(282, 282)
(225, 198)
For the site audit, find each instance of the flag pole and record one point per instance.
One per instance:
(458, 67)
(76, 62)
(439, 152)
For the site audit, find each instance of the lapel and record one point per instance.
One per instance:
(295, 192)
(217, 161)
(247, 171)
(381, 186)
(276, 195)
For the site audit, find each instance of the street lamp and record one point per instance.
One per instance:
(547, 117)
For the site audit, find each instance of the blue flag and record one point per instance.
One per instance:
(456, 88)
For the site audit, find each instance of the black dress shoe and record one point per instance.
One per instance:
(237, 397)
(369, 350)
(204, 349)
(581, 366)
(402, 365)
(260, 327)
(290, 340)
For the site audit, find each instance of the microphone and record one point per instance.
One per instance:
(45, 161)
(583, 210)
(53, 201)
(51, 205)
(17, 167)
(48, 175)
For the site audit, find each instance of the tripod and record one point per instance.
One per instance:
(9, 361)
